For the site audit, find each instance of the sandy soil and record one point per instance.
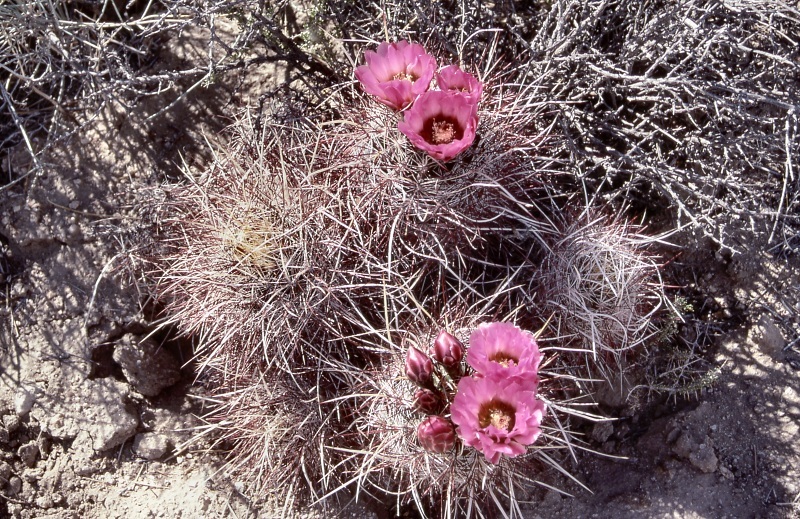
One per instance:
(91, 428)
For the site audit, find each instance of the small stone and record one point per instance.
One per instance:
(32, 475)
(704, 459)
(11, 422)
(4, 436)
(15, 510)
(684, 446)
(86, 470)
(5, 473)
(14, 486)
(602, 431)
(74, 204)
(767, 336)
(28, 452)
(150, 446)
(148, 367)
(45, 501)
(24, 400)
(725, 472)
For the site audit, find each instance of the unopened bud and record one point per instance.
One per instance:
(419, 367)
(448, 350)
(436, 434)
(426, 401)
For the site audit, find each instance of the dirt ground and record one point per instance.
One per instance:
(93, 428)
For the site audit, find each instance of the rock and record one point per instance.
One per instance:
(94, 409)
(5, 473)
(24, 400)
(87, 469)
(613, 393)
(684, 446)
(44, 502)
(704, 458)
(726, 472)
(148, 367)
(28, 452)
(14, 486)
(150, 446)
(602, 431)
(767, 336)
(699, 454)
(11, 423)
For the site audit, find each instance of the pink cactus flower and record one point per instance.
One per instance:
(501, 350)
(436, 434)
(496, 416)
(397, 73)
(419, 368)
(440, 123)
(447, 350)
(452, 78)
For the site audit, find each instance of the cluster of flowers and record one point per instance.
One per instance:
(440, 122)
(495, 409)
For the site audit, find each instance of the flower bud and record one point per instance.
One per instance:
(448, 350)
(419, 367)
(426, 401)
(436, 434)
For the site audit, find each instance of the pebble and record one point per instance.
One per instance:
(11, 422)
(28, 452)
(150, 446)
(14, 486)
(5, 473)
(24, 400)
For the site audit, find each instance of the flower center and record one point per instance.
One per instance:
(442, 130)
(404, 76)
(504, 359)
(496, 413)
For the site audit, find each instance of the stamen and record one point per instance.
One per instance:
(504, 360)
(498, 414)
(442, 132)
(405, 76)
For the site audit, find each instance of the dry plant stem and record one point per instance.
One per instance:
(690, 104)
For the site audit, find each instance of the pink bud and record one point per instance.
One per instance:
(436, 434)
(426, 401)
(419, 367)
(448, 350)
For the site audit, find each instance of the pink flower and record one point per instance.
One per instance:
(436, 434)
(452, 78)
(447, 350)
(419, 368)
(440, 123)
(501, 350)
(496, 416)
(397, 73)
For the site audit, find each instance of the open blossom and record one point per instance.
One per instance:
(502, 350)
(436, 434)
(452, 78)
(496, 416)
(396, 73)
(441, 123)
